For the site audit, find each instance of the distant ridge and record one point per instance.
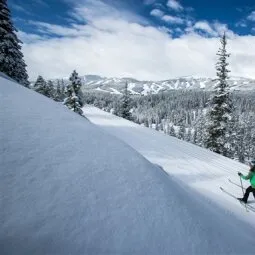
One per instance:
(115, 85)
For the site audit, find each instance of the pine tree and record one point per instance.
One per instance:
(146, 123)
(237, 140)
(57, 94)
(73, 99)
(40, 85)
(181, 132)
(125, 104)
(248, 138)
(11, 57)
(194, 138)
(63, 90)
(252, 155)
(220, 104)
(172, 131)
(161, 126)
(50, 90)
(201, 131)
(232, 130)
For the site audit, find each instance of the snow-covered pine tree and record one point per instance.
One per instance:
(50, 90)
(11, 57)
(181, 132)
(125, 105)
(232, 137)
(220, 104)
(161, 126)
(201, 135)
(73, 100)
(172, 131)
(146, 122)
(63, 90)
(248, 137)
(40, 85)
(57, 94)
(194, 137)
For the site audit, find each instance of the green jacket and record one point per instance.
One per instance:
(251, 177)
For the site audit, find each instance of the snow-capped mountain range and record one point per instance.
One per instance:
(116, 85)
(137, 87)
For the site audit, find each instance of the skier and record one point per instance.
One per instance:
(251, 177)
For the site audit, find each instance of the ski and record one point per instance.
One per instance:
(247, 206)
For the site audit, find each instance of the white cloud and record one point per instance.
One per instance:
(166, 18)
(74, 30)
(157, 13)
(165, 30)
(175, 5)
(211, 29)
(112, 45)
(204, 26)
(223, 28)
(251, 16)
(172, 19)
(30, 38)
(90, 10)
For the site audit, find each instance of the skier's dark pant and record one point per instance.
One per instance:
(247, 193)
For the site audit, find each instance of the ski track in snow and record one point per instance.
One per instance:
(198, 168)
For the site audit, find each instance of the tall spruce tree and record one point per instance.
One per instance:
(63, 90)
(125, 104)
(73, 100)
(220, 104)
(40, 85)
(11, 57)
(50, 90)
(181, 132)
(172, 131)
(195, 137)
(57, 94)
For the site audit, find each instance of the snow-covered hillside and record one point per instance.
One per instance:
(116, 85)
(68, 187)
(198, 168)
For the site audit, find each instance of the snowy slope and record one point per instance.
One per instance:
(193, 166)
(67, 187)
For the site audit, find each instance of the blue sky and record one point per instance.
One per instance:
(108, 29)
(235, 13)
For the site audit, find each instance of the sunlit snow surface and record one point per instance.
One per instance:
(68, 187)
(193, 166)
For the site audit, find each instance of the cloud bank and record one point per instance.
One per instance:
(114, 42)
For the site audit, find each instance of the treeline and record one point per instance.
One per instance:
(47, 88)
(70, 94)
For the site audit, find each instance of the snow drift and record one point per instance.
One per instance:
(67, 187)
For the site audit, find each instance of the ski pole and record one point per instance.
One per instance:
(243, 192)
(242, 184)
